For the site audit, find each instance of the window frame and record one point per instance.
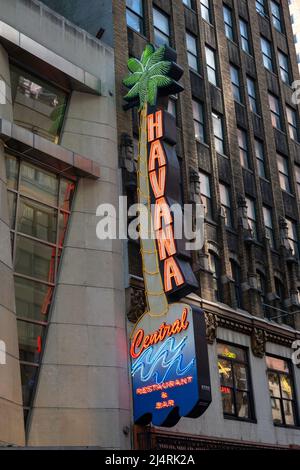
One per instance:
(277, 19)
(206, 197)
(269, 229)
(260, 162)
(138, 15)
(267, 54)
(155, 28)
(253, 104)
(276, 114)
(293, 128)
(228, 210)
(195, 53)
(227, 11)
(212, 69)
(243, 145)
(216, 117)
(236, 85)
(284, 174)
(201, 124)
(245, 40)
(206, 8)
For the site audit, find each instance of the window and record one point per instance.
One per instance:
(205, 10)
(244, 31)
(198, 116)
(237, 283)
(192, 53)
(283, 170)
(251, 215)
(161, 28)
(292, 123)
(267, 213)
(280, 293)
(228, 21)
(297, 174)
(206, 194)
(37, 105)
(226, 204)
(275, 111)
(215, 267)
(282, 393)
(40, 207)
(134, 15)
(262, 287)
(211, 65)
(260, 7)
(172, 107)
(260, 158)
(284, 67)
(243, 148)
(266, 49)
(218, 132)
(251, 88)
(235, 385)
(235, 83)
(276, 16)
(187, 3)
(293, 237)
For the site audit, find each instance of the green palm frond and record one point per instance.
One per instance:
(147, 75)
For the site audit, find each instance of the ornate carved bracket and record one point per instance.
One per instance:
(137, 304)
(212, 322)
(258, 342)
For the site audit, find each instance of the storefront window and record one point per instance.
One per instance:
(281, 390)
(37, 105)
(39, 208)
(234, 381)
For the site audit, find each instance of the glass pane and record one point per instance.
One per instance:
(134, 21)
(35, 259)
(32, 299)
(192, 61)
(274, 388)
(160, 39)
(30, 341)
(277, 364)
(12, 169)
(161, 21)
(288, 412)
(225, 372)
(286, 387)
(227, 400)
(242, 404)
(37, 220)
(28, 378)
(37, 105)
(39, 184)
(232, 352)
(12, 201)
(276, 411)
(136, 6)
(240, 376)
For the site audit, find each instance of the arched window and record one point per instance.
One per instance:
(237, 278)
(215, 267)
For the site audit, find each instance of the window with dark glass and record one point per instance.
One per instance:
(284, 67)
(210, 55)
(281, 314)
(215, 267)
(237, 283)
(297, 175)
(198, 116)
(260, 7)
(244, 31)
(172, 106)
(251, 88)
(276, 16)
(251, 215)
(205, 193)
(262, 287)
(292, 123)
(134, 15)
(293, 237)
(235, 386)
(40, 207)
(282, 392)
(260, 158)
(275, 111)
(226, 204)
(283, 170)
(205, 10)
(218, 129)
(267, 54)
(192, 51)
(161, 24)
(235, 83)
(228, 21)
(38, 106)
(268, 221)
(243, 148)
(188, 3)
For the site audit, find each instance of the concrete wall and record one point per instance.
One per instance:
(11, 412)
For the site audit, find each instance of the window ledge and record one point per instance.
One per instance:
(48, 153)
(243, 420)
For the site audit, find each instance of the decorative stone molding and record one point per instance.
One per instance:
(137, 304)
(212, 322)
(258, 342)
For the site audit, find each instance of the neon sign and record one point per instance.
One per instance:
(168, 350)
